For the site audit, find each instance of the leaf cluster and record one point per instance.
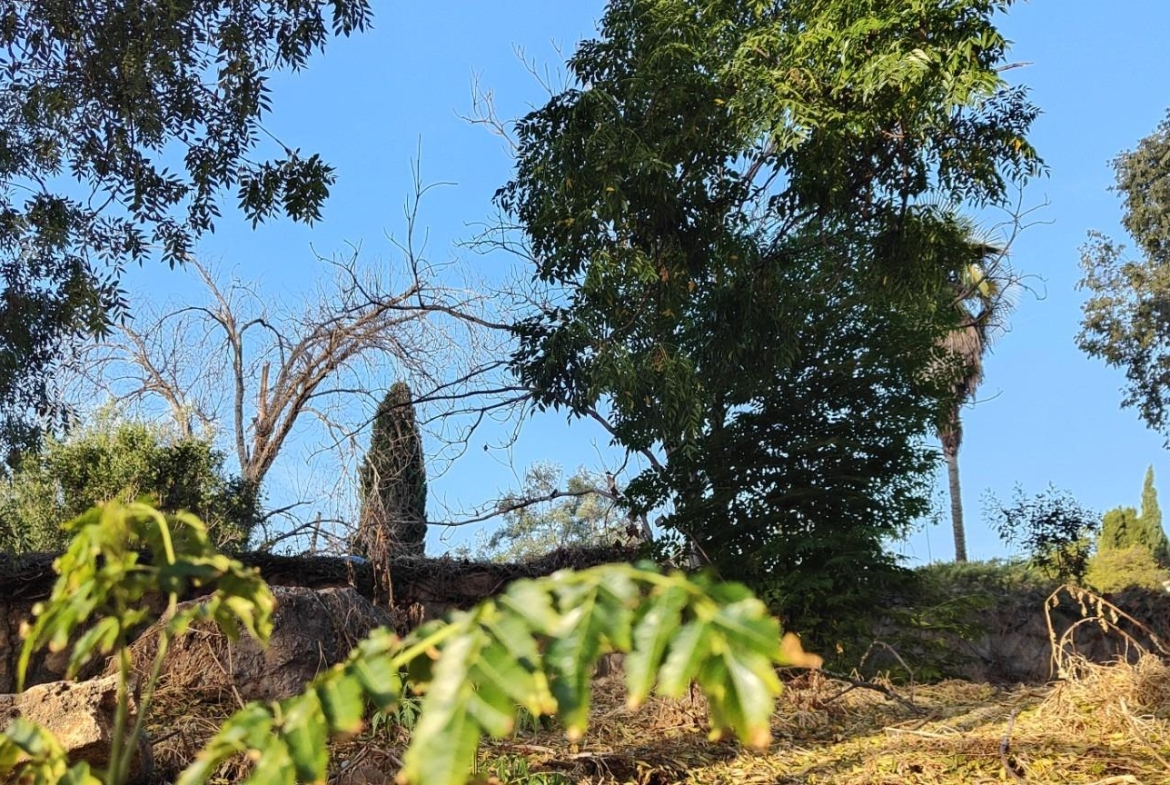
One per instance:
(1125, 320)
(122, 125)
(534, 648)
(118, 554)
(1051, 527)
(111, 459)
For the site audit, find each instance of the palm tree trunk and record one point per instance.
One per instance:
(952, 459)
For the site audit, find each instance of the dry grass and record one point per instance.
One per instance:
(1108, 725)
(1097, 725)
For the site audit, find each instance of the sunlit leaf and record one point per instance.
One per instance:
(688, 649)
(446, 736)
(650, 639)
(343, 702)
(304, 731)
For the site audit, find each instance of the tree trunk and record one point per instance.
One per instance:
(952, 459)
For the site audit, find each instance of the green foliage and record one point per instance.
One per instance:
(1052, 528)
(994, 578)
(537, 521)
(1119, 529)
(1125, 320)
(1151, 535)
(1124, 528)
(728, 205)
(118, 460)
(514, 770)
(98, 102)
(40, 757)
(1114, 569)
(397, 724)
(99, 594)
(393, 481)
(799, 489)
(534, 647)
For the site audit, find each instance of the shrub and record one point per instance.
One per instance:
(120, 460)
(992, 578)
(1115, 569)
(1054, 531)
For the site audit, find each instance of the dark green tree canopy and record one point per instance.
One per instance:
(729, 204)
(1126, 322)
(121, 125)
(705, 143)
(798, 489)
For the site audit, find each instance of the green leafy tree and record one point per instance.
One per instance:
(798, 493)
(123, 125)
(1119, 529)
(534, 647)
(393, 482)
(1125, 322)
(545, 516)
(715, 182)
(1117, 569)
(1125, 528)
(1151, 534)
(118, 460)
(1052, 528)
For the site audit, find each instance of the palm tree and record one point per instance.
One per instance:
(981, 293)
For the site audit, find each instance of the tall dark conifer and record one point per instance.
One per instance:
(393, 480)
(1150, 531)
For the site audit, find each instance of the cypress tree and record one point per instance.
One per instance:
(1118, 529)
(394, 482)
(1150, 533)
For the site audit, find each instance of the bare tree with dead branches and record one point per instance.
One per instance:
(260, 376)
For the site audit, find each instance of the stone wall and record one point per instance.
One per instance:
(1014, 647)
(422, 588)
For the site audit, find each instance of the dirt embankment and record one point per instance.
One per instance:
(422, 589)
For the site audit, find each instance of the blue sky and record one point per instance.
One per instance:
(1046, 413)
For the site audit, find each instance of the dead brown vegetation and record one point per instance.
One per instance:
(1094, 724)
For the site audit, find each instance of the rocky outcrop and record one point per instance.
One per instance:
(80, 715)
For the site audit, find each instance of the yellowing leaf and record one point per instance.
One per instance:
(792, 653)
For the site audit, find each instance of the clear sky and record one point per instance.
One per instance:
(1046, 413)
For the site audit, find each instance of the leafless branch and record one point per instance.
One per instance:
(269, 375)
